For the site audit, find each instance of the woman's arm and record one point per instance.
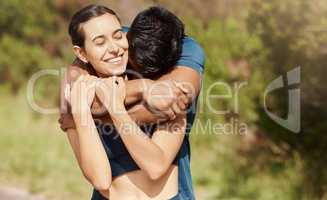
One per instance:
(85, 141)
(153, 155)
(101, 185)
(91, 154)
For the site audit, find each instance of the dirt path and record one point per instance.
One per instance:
(11, 193)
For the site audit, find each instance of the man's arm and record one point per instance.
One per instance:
(135, 89)
(190, 78)
(188, 70)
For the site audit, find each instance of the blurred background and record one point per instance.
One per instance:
(252, 42)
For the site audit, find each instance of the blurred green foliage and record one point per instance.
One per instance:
(273, 38)
(294, 32)
(32, 37)
(249, 43)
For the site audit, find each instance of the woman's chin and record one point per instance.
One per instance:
(118, 72)
(114, 72)
(111, 70)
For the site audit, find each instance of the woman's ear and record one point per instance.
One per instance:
(80, 53)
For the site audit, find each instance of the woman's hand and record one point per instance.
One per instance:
(112, 93)
(82, 93)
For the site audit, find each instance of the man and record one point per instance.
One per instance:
(160, 51)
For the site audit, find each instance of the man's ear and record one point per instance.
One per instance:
(80, 53)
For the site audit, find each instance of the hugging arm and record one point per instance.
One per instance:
(188, 71)
(136, 90)
(188, 77)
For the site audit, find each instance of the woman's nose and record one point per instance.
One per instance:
(113, 48)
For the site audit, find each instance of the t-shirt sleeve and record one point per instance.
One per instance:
(192, 55)
(125, 29)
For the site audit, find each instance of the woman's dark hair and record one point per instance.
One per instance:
(155, 41)
(84, 15)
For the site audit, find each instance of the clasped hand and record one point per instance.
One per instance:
(110, 91)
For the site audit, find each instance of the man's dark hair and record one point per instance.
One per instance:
(155, 41)
(84, 15)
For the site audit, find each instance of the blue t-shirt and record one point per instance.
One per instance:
(193, 57)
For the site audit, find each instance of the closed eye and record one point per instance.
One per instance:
(99, 41)
(118, 35)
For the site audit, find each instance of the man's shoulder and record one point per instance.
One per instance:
(192, 47)
(125, 29)
(193, 55)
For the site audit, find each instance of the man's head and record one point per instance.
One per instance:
(155, 41)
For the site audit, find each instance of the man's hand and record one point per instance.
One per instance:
(66, 122)
(167, 98)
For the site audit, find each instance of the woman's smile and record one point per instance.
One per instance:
(116, 60)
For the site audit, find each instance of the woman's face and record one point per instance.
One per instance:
(105, 45)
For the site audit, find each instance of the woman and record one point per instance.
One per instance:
(142, 173)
